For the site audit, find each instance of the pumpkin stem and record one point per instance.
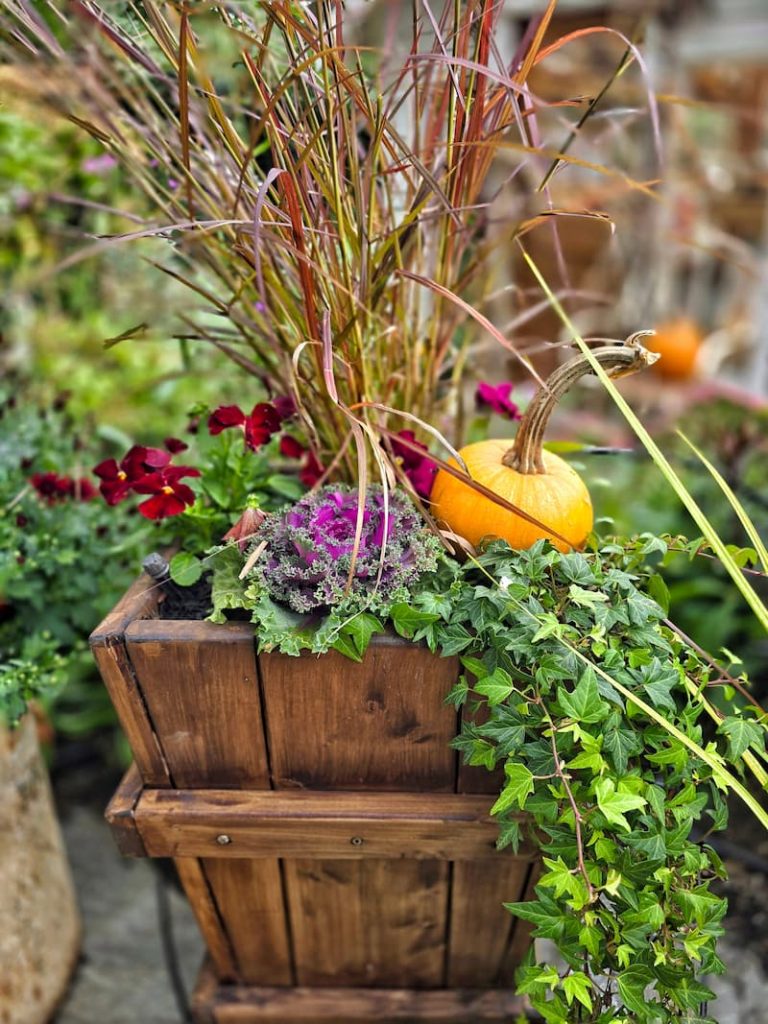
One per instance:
(618, 360)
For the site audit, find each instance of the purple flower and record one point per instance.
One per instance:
(308, 554)
(101, 164)
(496, 398)
(419, 469)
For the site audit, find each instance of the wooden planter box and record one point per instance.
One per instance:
(339, 859)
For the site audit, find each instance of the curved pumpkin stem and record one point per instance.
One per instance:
(618, 360)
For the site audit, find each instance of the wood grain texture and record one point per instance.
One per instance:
(120, 815)
(383, 724)
(236, 1004)
(480, 927)
(199, 683)
(368, 922)
(520, 936)
(312, 824)
(249, 898)
(140, 601)
(195, 884)
(474, 778)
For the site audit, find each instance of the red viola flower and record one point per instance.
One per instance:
(83, 489)
(118, 479)
(175, 445)
(224, 417)
(311, 471)
(419, 469)
(291, 448)
(169, 495)
(496, 398)
(51, 486)
(285, 407)
(258, 427)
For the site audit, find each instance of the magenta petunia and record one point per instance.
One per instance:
(496, 398)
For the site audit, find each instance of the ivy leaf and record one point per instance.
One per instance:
(659, 591)
(185, 569)
(586, 598)
(632, 985)
(658, 682)
(496, 687)
(577, 986)
(407, 620)
(361, 628)
(509, 834)
(345, 645)
(742, 733)
(689, 994)
(458, 694)
(620, 744)
(583, 703)
(518, 787)
(475, 666)
(613, 804)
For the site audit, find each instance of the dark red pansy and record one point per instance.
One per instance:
(169, 495)
(175, 445)
(419, 469)
(311, 471)
(51, 486)
(291, 448)
(285, 407)
(496, 398)
(83, 489)
(262, 423)
(224, 417)
(118, 479)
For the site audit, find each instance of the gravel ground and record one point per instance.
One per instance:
(122, 977)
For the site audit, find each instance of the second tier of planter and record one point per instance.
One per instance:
(324, 830)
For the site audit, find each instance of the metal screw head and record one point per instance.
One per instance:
(223, 840)
(356, 840)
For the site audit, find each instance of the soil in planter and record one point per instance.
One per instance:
(186, 602)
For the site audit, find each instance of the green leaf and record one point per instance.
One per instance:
(509, 834)
(632, 985)
(578, 986)
(408, 620)
(659, 591)
(586, 598)
(185, 568)
(518, 787)
(583, 703)
(614, 804)
(742, 733)
(286, 486)
(496, 687)
(620, 744)
(345, 645)
(361, 628)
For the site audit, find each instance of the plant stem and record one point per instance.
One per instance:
(525, 455)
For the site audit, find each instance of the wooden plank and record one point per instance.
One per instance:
(382, 724)
(475, 778)
(138, 602)
(120, 815)
(236, 1004)
(249, 897)
(480, 927)
(199, 683)
(353, 826)
(368, 922)
(520, 937)
(195, 884)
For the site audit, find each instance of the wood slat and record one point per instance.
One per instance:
(200, 685)
(354, 826)
(229, 1004)
(249, 898)
(520, 937)
(368, 922)
(195, 884)
(108, 646)
(120, 814)
(383, 724)
(480, 927)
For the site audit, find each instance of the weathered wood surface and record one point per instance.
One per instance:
(368, 922)
(382, 724)
(304, 1005)
(347, 826)
(121, 814)
(200, 686)
(108, 646)
(39, 920)
(249, 897)
(195, 884)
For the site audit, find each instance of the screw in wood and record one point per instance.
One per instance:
(356, 840)
(223, 840)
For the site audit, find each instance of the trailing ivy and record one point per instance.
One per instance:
(600, 717)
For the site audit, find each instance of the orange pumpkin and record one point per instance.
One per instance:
(677, 342)
(549, 497)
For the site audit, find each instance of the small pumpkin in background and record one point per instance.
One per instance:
(677, 342)
(549, 497)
